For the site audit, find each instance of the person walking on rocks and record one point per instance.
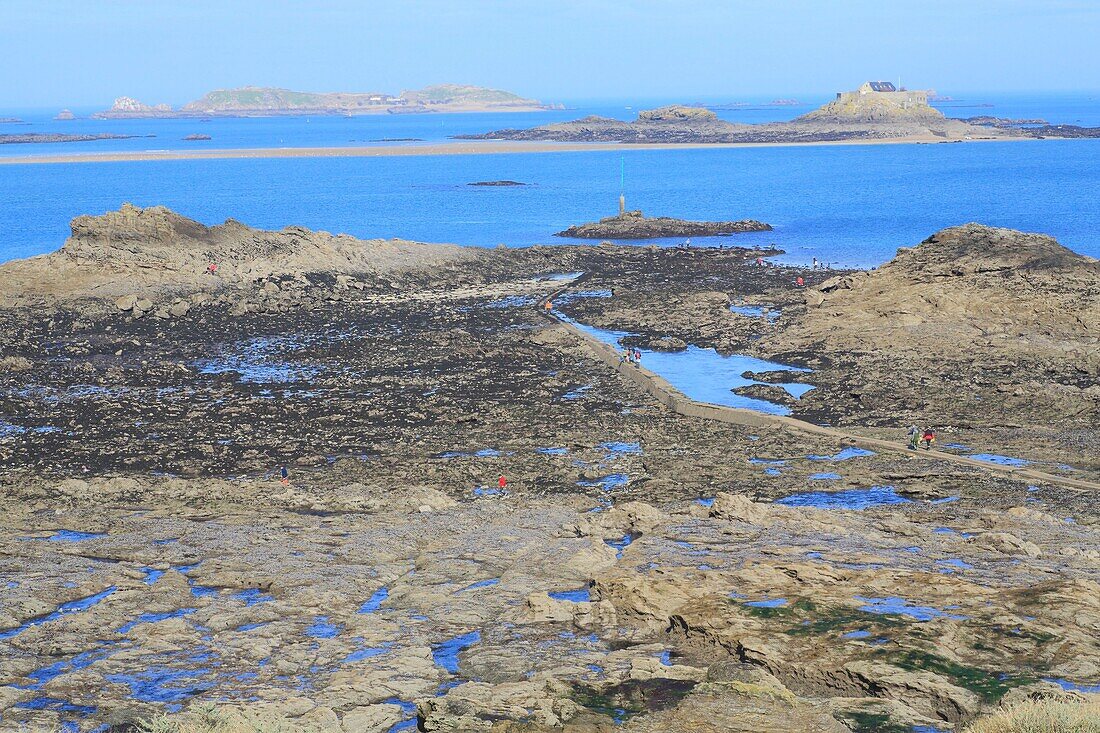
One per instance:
(502, 483)
(549, 306)
(799, 281)
(637, 357)
(928, 438)
(284, 476)
(914, 437)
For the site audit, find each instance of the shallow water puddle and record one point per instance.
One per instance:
(623, 543)
(360, 654)
(622, 448)
(705, 375)
(757, 311)
(68, 535)
(900, 607)
(481, 584)
(81, 604)
(322, 629)
(767, 603)
(953, 564)
(576, 393)
(483, 453)
(999, 460)
(373, 603)
(446, 653)
(855, 499)
(1073, 686)
(607, 483)
(579, 595)
(152, 618)
(552, 451)
(843, 455)
(252, 596)
(825, 476)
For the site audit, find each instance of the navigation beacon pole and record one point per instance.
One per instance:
(622, 185)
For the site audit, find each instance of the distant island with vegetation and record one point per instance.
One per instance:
(267, 101)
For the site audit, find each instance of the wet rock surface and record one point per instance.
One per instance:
(483, 526)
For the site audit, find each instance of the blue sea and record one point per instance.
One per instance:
(845, 205)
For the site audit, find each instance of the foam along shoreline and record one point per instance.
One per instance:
(455, 148)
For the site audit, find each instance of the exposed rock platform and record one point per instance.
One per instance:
(634, 225)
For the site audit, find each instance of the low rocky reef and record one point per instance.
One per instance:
(834, 122)
(50, 137)
(635, 225)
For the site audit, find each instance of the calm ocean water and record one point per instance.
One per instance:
(851, 205)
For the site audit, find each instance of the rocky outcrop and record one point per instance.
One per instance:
(133, 251)
(1012, 292)
(972, 317)
(873, 109)
(695, 125)
(130, 107)
(634, 225)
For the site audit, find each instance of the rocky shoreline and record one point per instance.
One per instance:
(640, 569)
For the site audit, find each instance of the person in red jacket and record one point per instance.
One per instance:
(799, 282)
(502, 482)
(928, 438)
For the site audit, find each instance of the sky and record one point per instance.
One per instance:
(84, 53)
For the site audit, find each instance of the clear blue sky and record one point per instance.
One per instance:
(84, 53)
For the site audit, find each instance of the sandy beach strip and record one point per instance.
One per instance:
(450, 148)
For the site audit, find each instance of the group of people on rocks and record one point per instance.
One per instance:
(630, 355)
(919, 438)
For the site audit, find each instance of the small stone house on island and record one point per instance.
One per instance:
(887, 91)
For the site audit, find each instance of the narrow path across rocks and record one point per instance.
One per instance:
(661, 390)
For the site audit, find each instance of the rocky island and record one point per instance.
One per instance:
(267, 101)
(635, 225)
(491, 521)
(875, 111)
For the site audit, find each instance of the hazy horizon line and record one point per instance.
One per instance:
(710, 98)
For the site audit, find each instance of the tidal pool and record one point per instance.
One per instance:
(849, 499)
(446, 653)
(705, 375)
(901, 607)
